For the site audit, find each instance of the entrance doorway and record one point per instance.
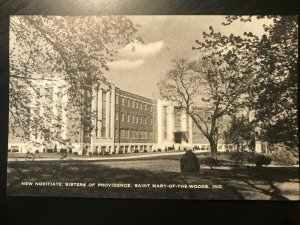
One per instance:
(180, 136)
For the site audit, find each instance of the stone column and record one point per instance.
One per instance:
(99, 111)
(108, 130)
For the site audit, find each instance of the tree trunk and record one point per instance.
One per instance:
(213, 148)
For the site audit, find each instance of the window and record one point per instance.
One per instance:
(122, 133)
(150, 121)
(117, 99)
(117, 115)
(145, 120)
(150, 108)
(128, 118)
(132, 101)
(136, 119)
(122, 116)
(145, 107)
(133, 118)
(136, 105)
(141, 120)
(123, 101)
(141, 106)
(116, 132)
(128, 103)
(150, 134)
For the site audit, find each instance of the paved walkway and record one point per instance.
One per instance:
(99, 158)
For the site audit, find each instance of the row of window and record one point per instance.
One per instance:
(133, 134)
(134, 118)
(133, 103)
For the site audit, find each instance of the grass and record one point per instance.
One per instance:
(276, 183)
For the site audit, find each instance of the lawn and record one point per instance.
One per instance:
(275, 183)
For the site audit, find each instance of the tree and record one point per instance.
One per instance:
(241, 133)
(72, 51)
(206, 90)
(274, 97)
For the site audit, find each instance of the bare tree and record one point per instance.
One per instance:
(207, 90)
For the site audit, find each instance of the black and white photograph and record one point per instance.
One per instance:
(200, 107)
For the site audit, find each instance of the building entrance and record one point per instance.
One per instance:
(180, 137)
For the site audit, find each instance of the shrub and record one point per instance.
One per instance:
(159, 150)
(170, 148)
(49, 150)
(284, 158)
(37, 151)
(241, 157)
(75, 153)
(154, 150)
(210, 161)
(189, 163)
(136, 151)
(261, 160)
(145, 150)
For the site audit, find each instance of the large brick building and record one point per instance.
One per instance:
(123, 122)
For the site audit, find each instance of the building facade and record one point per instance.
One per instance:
(122, 122)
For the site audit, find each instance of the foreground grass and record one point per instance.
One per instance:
(276, 183)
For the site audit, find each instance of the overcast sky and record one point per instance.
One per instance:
(165, 37)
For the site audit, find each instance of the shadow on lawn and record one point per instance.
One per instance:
(239, 183)
(257, 183)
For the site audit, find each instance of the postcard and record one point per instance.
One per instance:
(154, 107)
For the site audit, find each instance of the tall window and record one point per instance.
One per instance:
(128, 118)
(122, 117)
(123, 101)
(116, 132)
(117, 99)
(165, 122)
(103, 126)
(150, 134)
(117, 115)
(122, 133)
(133, 118)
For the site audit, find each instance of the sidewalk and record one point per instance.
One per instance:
(99, 158)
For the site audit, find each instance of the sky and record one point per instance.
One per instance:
(165, 37)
